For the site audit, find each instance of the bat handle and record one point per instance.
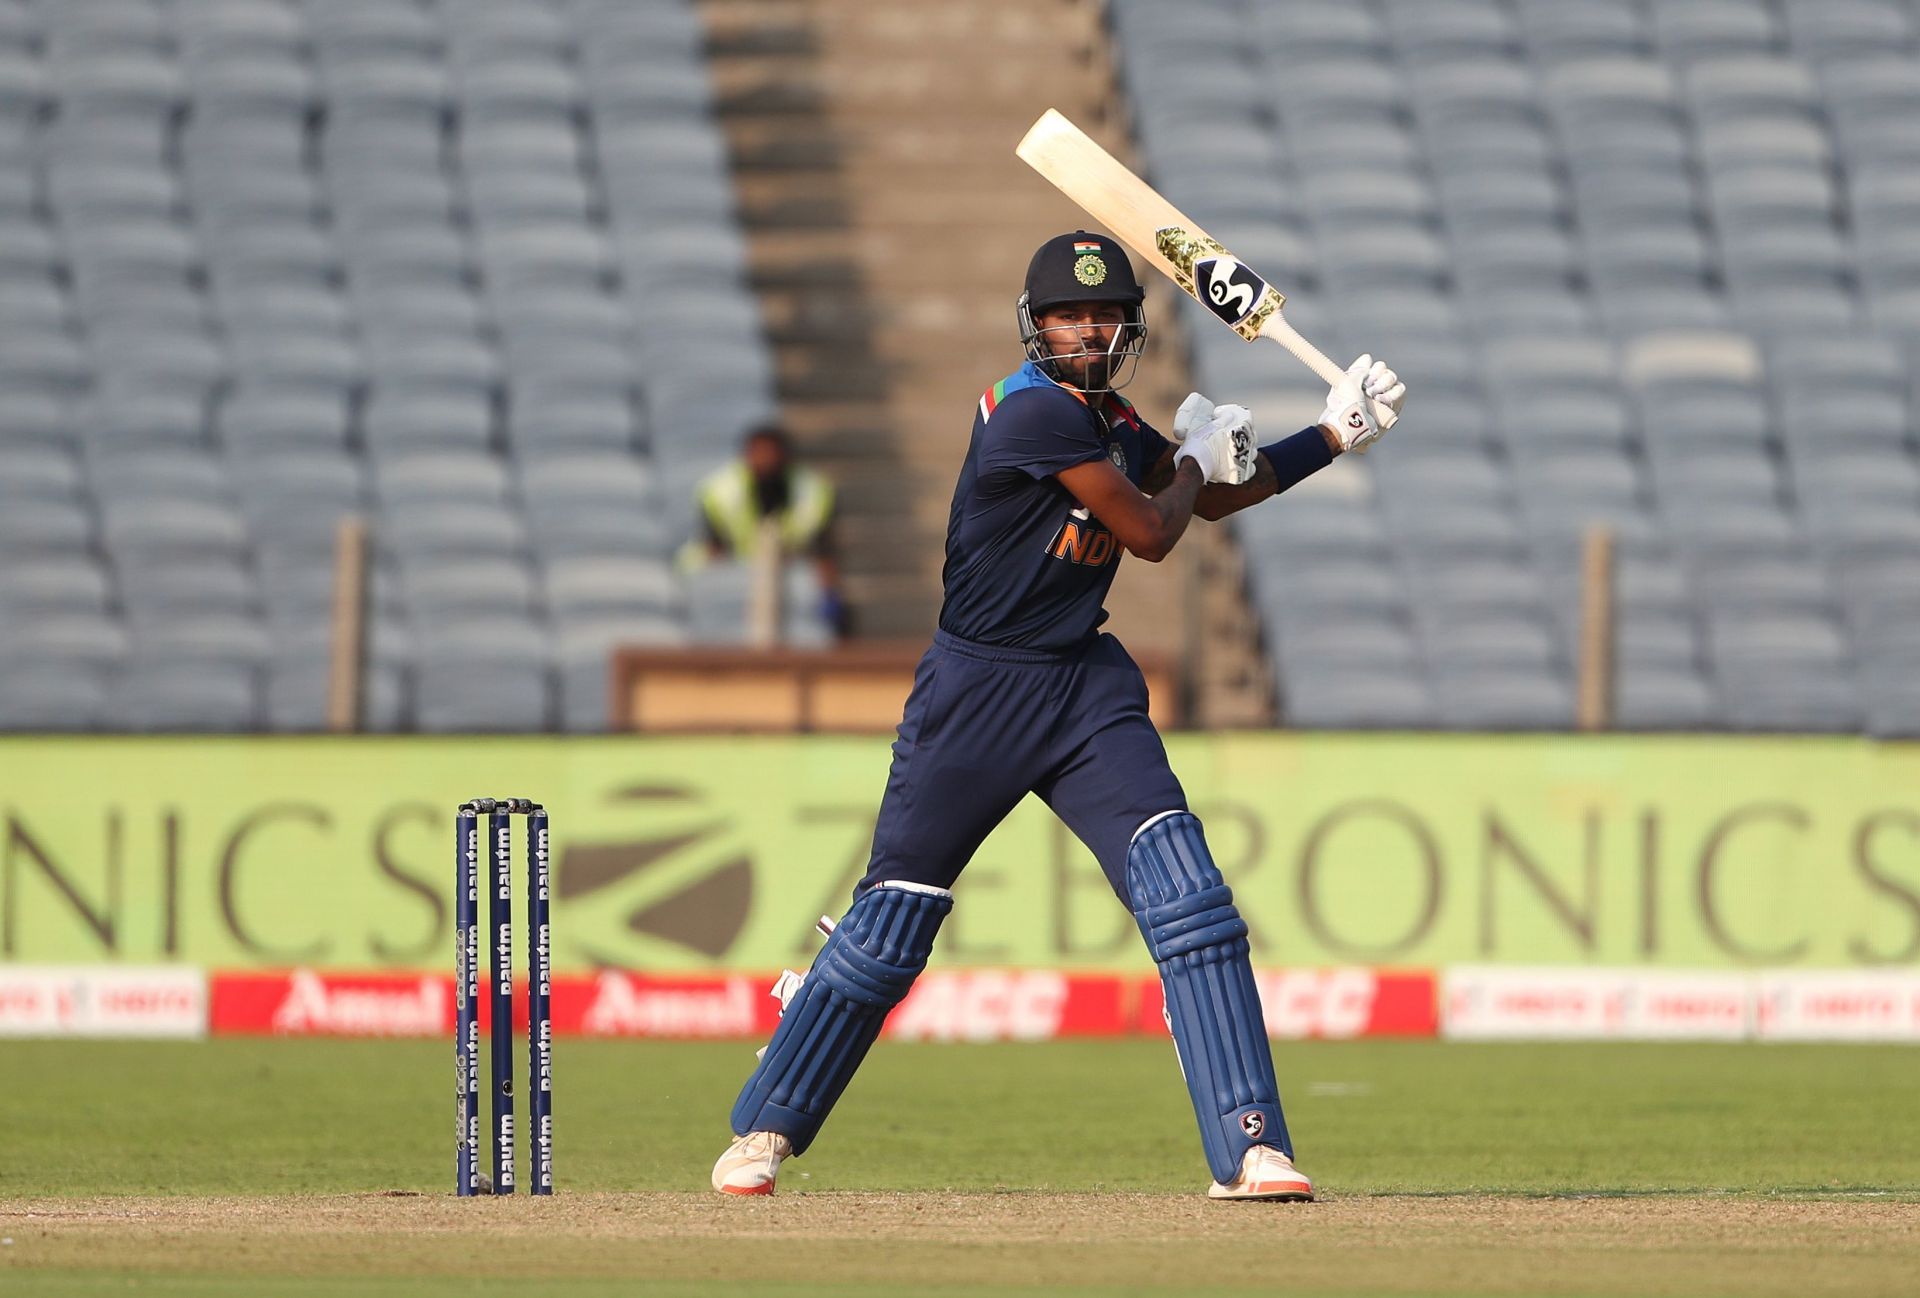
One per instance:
(1278, 329)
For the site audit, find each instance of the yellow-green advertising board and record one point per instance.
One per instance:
(677, 854)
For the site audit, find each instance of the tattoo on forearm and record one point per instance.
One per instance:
(1219, 500)
(1157, 478)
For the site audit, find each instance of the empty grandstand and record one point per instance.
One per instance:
(469, 268)
(1650, 265)
(477, 271)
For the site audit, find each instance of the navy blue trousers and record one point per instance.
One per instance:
(986, 726)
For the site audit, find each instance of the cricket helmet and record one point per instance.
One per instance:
(1084, 267)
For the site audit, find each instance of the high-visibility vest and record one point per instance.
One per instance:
(727, 499)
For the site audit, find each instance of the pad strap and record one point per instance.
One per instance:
(864, 970)
(1186, 913)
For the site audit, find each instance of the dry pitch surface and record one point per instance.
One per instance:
(309, 1169)
(953, 1244)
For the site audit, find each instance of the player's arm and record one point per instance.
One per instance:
(1347, 424)
(1278, 467)
(1148, 526)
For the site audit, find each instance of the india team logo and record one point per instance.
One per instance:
(1087, 266)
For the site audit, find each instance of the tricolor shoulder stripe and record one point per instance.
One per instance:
(1024, 377)
(991, 399)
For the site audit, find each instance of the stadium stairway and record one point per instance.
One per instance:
(889, 225)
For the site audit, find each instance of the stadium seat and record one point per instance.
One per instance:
(437, 590)
(1353, 641)
(585, 640)
(1513, 698)
(1664, 698)
(49, 586)
(1356, 700)
(91, 639)
(296, 696)
(605, 587)
(483, 675)
(186, 590)
(53, 696)
(717, 596)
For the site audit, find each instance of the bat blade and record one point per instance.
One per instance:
(1155, 229)
(1167, 239)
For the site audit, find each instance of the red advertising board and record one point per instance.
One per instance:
(1473, 1002)
(302, 1002)
(945, 1005)
(1332, 1004)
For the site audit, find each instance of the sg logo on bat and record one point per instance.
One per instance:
(1227, 288)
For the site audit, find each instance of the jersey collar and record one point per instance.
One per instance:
(1117, 408)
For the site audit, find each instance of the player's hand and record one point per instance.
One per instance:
(1222, 448)
(1192, 415)
(1384, 386)
(1348, 417)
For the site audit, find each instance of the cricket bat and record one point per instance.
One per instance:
(1161, 233)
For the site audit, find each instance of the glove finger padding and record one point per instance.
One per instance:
(1193, 414)
(1384, 386)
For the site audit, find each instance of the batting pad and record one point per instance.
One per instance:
(1186, 913)
(862, 972)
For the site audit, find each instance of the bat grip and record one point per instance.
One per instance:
(1277, 328)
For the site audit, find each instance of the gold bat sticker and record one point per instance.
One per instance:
(1219, 280)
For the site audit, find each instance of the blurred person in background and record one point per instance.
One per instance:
(764, 483)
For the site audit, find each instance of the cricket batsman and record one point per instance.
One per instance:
(1022, 693)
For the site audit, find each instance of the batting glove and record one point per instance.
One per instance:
(1222, 447)
(1349, 413)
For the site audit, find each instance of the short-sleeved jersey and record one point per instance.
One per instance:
(1027, 565)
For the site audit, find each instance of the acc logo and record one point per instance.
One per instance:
(1253, 1124)
(1090, 270)
(1228, 289)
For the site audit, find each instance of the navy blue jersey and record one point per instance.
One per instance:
(1027, 566)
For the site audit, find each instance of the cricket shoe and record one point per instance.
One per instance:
(1265, 1173)
(751, 1162)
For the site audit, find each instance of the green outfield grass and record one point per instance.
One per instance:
(322, 1167)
